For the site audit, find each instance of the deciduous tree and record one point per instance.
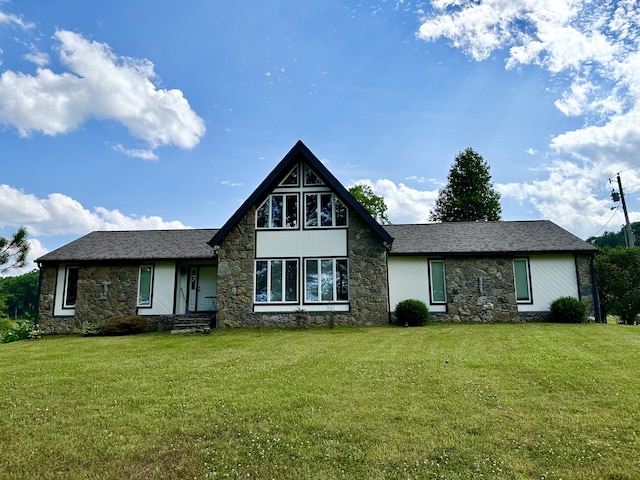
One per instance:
(374, 204)
(618, 275)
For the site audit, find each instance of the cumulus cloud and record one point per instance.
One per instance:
(590, 47)
(59, 214)
(98, 84)
(404, 204)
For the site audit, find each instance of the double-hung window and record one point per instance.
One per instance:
(276, 281)
(521, 280)
(145, 285)
(278, 211)
(326, 280)
(437, 282)
(324, 210)
(70, 287)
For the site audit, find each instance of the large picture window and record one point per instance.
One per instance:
(437, 281)
(70, 287)
(276, 281)
(326, 280)
(521, 280)
(324, 210)
(145, 285)
(278, 211)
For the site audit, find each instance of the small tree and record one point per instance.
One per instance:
(469, 194)
(13, 251)
(372, 203)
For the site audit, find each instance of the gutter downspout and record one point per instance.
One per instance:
(596, 296)
(36, 320)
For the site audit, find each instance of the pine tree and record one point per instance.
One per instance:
(13, 251)
(469, 194)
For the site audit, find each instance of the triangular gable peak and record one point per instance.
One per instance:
(301, 169)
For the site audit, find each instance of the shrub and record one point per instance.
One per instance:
(10, 332)
(125, 325)
(412, 313)
(568, 310)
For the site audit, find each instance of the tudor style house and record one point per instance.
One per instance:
(302, 251)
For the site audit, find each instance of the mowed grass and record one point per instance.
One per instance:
(507, 401)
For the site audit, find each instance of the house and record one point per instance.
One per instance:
(302, 251)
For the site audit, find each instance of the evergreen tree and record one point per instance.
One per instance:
(469, 194)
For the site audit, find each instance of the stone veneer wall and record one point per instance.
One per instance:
(103, 292)
(586, 288)
(493, 299)
(470, 299)
(367, 276)
(47, 288)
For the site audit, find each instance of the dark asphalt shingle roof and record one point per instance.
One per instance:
(453, 238)
(136, 245)
(472, 238)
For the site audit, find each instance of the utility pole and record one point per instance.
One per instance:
(626, 215)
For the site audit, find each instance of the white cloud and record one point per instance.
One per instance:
(99, 85)
(136, 152)
(11, 19)
(404, 204)
(59, 214)
(594, 48)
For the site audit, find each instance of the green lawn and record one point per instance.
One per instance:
(505, 401)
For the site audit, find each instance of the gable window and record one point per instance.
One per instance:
(521, 280)
(326, 280)
(276, 281)
(145, 284)
(437, 281)
(278, 211)
(70, 287)
(291, 180)
(324, 210)
(310, 178)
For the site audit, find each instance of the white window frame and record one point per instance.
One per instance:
(147, 303)
(65, 295)
(527, 277)
(432, 298)
(318, 215)
(317, 298)
(283, 281)
(268, 204)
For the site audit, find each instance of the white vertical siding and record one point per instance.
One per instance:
(301, 243)
(409, 278)
(552, 276)
(163, 290)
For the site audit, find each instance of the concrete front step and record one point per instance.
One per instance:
(194, 323)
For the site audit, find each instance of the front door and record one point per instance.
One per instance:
(202, 288)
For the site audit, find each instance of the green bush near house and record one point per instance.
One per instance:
(125, 325)
(412, 313)
(567, 310)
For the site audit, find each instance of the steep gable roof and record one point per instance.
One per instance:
(135, 245)
(481, 238)
(299, 153)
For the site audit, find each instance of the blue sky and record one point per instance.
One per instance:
(136, 115)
